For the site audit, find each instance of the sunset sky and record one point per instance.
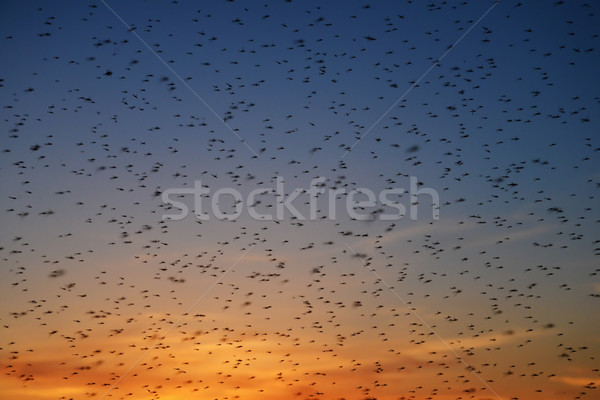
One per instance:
(109, 109)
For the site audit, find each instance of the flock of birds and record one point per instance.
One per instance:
(107, 105)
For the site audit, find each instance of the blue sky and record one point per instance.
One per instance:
(107, 105)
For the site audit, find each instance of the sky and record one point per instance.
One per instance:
(427, 175)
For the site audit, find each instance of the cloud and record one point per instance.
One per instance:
(578, 381)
